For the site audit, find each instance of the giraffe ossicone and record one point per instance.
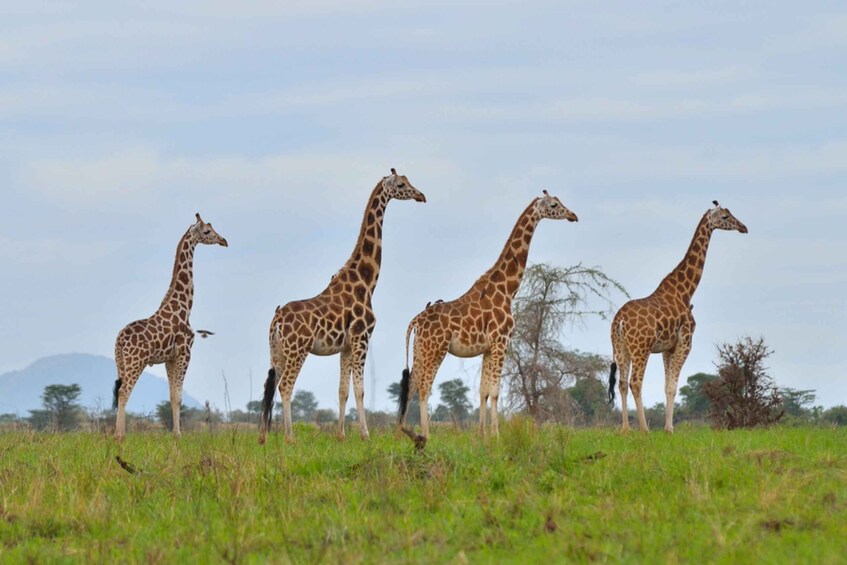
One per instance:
(663, 322)
(477, 323)
(166, 336)
(339, 320)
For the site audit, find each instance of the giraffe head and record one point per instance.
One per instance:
(399, 187)
(722, 219)
(205, 233)
(551, 207)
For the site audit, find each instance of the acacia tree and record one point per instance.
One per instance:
(60, 404)
(743, 395)
(695, 403)
(303, 406)
(454, 394)
(538, 366)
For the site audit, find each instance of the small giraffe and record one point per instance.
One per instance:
(338, 320)
(477, 323)
(166, 336)
(663, 322)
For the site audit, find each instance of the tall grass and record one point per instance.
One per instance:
(537, 494)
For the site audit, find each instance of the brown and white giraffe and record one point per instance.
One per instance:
(477, 323)
(663, 322)
(339, 320)
(166, 336)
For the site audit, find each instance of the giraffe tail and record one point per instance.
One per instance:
(612, 372)
(268, 399)
(119, 361)
(404, 394)
(412, 327)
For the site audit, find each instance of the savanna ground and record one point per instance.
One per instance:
(538, 495)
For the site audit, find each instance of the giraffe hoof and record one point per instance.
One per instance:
(366, 436)
(289, 440)
(669, 430)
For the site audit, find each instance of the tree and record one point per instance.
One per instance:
(166, 416)
(413, 412)
(836, 415)
(60, 403)
(695, 403)
(591, 399)
(743, 395)
(538, 366)
(254, 408)
(326, 416)
(454, 394)
(440, 414)
(797, 403)
(303, 406)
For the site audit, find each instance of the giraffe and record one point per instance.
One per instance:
(166, 336)
(663, 322)
(477, 323)
(339, 320)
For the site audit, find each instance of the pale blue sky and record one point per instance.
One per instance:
(275, 119)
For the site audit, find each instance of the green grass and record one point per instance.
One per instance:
(538, 495)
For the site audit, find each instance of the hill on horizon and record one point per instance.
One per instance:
(20, 391)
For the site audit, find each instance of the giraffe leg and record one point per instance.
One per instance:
(293, 365)
(343, 390)
(639, 365)
(131, 373)
(424, 389)
(176, 369)
(483, 393)
(494, 368)
(673, 366)
(624, 363)
(359, 353)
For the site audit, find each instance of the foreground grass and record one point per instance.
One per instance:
(536, 495)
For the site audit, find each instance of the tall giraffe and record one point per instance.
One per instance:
(338, 320)
(166, 336)
(477, 323)
(663, 322)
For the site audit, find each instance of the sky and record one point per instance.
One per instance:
(274, 120)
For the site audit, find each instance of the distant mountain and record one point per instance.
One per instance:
(20, 391)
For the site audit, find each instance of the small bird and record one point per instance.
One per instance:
(205, 333)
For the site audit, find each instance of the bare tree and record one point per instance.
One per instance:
(538, 366)
(743, 395)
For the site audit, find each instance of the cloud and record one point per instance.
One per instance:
(53, 252)
(141, 178)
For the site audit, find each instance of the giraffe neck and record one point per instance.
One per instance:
(683, 280)
(367, 255)
(180, 296)
(512, 261)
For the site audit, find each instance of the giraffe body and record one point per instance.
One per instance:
(477, 323)
(663, 323)
(339, 320)
(166, 336)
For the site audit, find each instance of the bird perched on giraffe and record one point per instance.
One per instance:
(663, 322)
(339, 320)
(166, 336)
(477, 323)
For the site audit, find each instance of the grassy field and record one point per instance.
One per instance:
(537, 495)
